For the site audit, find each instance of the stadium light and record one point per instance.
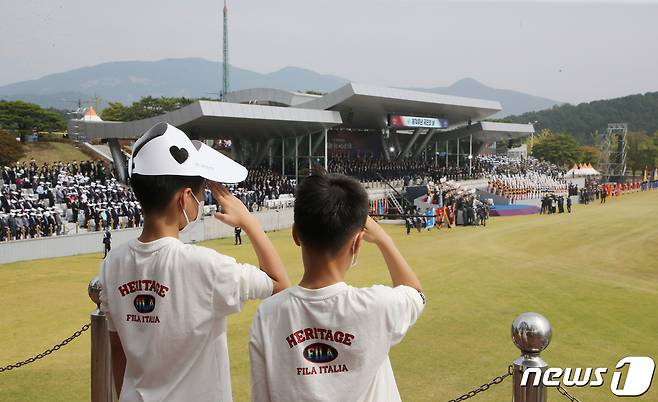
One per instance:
(392, 149)
(470, 156)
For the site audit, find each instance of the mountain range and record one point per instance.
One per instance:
(128, 81)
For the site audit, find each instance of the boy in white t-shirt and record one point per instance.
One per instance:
(324, 340)
(166, 302)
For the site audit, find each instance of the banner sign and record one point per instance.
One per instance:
(398, 121)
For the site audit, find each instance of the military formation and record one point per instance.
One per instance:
(61, 198)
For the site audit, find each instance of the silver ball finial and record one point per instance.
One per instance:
(94, 291)
(531, 332)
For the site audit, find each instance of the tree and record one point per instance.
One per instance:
(144, 108)
(116, 111)
(583, 120)
(641, 152)
(12, 150)
(560, 149)
(21, 117)
(590, 154)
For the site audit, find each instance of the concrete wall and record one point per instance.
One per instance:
(270, 219)
(83, 243)
(60, 246)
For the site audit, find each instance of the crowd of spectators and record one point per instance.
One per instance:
(409, 170)
(60, 198)
(50, 199)
(40, 200)
(262, 184)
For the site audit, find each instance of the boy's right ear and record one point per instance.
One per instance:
(294, 235)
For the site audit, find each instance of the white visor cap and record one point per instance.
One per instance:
(166, 150)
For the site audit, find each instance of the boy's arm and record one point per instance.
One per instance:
(236, 214)
(399, 269)
(118, 361)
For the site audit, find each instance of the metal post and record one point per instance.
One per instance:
(283, 156)
(382, 140)
(326, 154)
(470, 155)
(411, 143)
(101, 363)
(531, 333)
(269, 157)
(423, 145)
(447, 148)
(398, 146)
(436, 153)
(297, 160)
(119, 160)
(310, 152)
(457, 153)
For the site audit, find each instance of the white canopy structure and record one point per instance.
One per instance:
(90, 115)
(582, 170)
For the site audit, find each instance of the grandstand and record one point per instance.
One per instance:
(381, 136)
(286, 131)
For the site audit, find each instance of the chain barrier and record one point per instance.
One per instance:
(47, 351)
(566, 394)
(484, 387)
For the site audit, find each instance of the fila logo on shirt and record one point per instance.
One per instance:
(143, 303)
(320, 352)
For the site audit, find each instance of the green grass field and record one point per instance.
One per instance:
(594, 274)
(52, 152)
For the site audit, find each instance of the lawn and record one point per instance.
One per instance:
(593, 273)
(52, 152)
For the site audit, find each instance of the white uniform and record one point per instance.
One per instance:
(330, 344)
(168, 302)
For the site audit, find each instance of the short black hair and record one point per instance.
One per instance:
(155, 192)
(329, 210)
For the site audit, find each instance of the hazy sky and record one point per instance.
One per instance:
(565, 50)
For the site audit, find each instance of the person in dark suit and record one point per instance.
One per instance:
(107, 241)
(4, 225)
(238, 235)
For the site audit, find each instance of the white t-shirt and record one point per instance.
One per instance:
(168, 301)
(330, 344)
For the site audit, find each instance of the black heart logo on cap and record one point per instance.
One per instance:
(180, 154)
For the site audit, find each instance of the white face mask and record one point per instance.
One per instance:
(189, 225)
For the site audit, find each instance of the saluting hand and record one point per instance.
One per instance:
(373, 232)
(234, 212)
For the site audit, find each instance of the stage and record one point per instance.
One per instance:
(511, 210)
